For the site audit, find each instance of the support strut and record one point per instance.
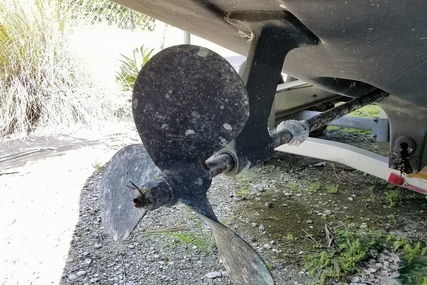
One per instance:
(261, 74)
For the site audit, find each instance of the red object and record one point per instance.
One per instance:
(395, 179)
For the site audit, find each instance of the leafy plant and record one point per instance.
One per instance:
(393, 197)
(350, 248)
(130, 66)
(412, 252)
(414, 262)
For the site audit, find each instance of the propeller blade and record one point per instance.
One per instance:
(188, 103)
(241, 261)
(128, 168)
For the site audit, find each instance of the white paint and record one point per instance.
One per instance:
(189, 132)
(228, 127)
(203, 52)
(199, 181)
(223, 141)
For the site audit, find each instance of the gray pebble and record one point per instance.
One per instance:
(72, 277)
(213, 275)
(259, 188)
(81, 273)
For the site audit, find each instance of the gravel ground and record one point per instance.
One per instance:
(50, 222)
(269, 188)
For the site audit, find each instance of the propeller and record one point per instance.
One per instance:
(131, 164)
(188, 103)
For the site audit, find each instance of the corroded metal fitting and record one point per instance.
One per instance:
(153, 194)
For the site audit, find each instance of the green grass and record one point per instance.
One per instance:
(200, 237)
(368, 111)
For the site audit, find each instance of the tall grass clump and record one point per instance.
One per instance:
(42, 80)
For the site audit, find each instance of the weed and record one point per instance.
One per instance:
(332, 189)
(350, 248)
(414, 263)
(392, 218)
(393, 197)
(99, 167)
(314, 187)
(290, 237)
(411, 252)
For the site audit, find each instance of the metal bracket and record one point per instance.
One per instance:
(402, 154)
(261, 74)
